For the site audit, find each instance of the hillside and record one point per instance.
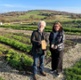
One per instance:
(35, 15)
(27, 20)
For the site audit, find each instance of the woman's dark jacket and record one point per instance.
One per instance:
(58, 41)
(36, 38)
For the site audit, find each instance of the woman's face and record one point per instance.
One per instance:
(57, 27)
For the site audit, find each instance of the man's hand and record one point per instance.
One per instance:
(39, 43)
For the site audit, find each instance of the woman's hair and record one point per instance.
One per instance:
(57, 23)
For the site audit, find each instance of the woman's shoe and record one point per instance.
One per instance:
(58, 75)
(52, 71)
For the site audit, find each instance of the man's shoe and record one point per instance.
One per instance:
(35, 77)
(58, 75)
(43, 73)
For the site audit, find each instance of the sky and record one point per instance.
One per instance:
(73, 6)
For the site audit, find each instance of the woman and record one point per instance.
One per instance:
(56, 40)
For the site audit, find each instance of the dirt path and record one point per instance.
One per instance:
(70, 58)
(29, 32)
(15, 31)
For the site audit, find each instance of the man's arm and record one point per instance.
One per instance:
(33, 40)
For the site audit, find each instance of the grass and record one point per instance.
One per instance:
(74, 73)
(27, 16)
(21, 38)
(15, 44)
(68, 27)
(35, 15)
(1, 78)
(16, 59)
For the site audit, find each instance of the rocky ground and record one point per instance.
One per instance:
(70, 57)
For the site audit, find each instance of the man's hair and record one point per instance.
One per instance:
(43, 22)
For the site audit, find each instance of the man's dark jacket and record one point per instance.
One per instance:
(36, 38)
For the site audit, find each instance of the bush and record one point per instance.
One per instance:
(17, 60)
(74, 73)
(16, 44)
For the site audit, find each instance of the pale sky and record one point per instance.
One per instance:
(24, 5)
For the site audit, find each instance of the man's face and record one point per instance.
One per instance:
(41, 27)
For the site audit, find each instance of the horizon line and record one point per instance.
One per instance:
(39, 10)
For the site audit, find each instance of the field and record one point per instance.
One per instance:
(15, 44)
(74, 73)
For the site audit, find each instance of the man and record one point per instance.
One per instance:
(38, 54)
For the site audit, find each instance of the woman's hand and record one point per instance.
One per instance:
(55, 47)
(52, 46)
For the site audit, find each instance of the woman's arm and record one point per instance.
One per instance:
(63, 40)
